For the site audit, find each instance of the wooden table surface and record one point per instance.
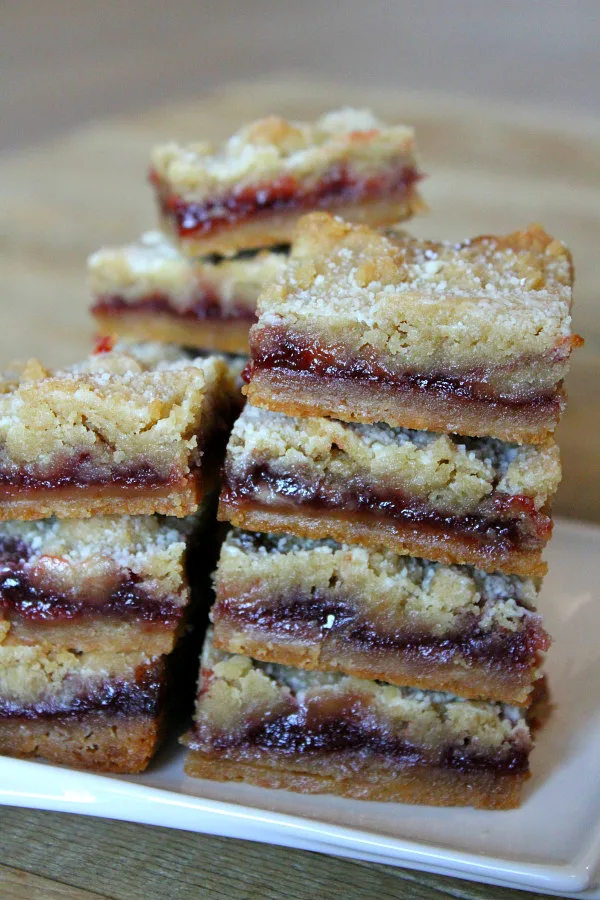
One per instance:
(491, 167)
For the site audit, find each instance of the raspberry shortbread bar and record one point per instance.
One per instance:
(96, 710)
(377, 615)
(479, 501)
(130, 430)
(108, 581)
(249, 192)
(315, 732)
(151, 291)
(473, 338)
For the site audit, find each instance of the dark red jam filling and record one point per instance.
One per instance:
(26, 602)
(81, 470)
(507, 523)
(278, 349)
(13, 551)
(320, 616)
(140, 696)
(338, 186)
(312, 731)
(207, 306)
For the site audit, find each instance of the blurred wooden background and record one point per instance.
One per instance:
(505, 96)
(64, 62)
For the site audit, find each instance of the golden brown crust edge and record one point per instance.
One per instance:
(279, 228)
(227, 336)
(172, 500)
(376, 534)
(307, 395)
(95, 633)
(472, 681)
(430, 787)
(96, 741)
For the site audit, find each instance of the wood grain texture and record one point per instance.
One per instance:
(64, 62)
(135, 862)
(491, 167)
(15, 884)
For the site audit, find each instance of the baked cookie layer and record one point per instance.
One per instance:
(280, 726)
(100, 742)
(151, 291)
(377, 615)
(250, 192)
(131, 430)
(477, 501)
(473, 338)
(116, 581)
(100, 710)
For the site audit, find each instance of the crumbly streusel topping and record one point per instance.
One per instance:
(450, 471)
(274, 147)
(154, 265)
(41, 673)
(485, 300)
(72, 556)
(140, 400)
(237, 688)
(384, 583)
(150, 264)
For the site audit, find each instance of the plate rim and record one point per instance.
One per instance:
(127, 800)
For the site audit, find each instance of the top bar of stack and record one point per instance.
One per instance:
(394, 467)
(250, 192)
(132, 429)
(472, 338)
(242, 200)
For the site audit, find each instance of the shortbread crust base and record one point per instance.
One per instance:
(422, 785)
(225, 335)
(90, 634)
(374, 532)
(305, 394)
(269, 230)
(95, 741)
(177, 500)
(472, 680)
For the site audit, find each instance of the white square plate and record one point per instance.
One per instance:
(551, 844)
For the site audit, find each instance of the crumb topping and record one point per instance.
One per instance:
(384, 583)
(71, 556)
(153, 265)
(452, 472)
(41, 673)
(273, 147)
(136, 401)
(484, 300)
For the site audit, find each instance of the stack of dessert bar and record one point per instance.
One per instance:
(90, 610)
(375, 632)
(94, 595)
(228, 215)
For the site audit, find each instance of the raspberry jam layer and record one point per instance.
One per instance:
(206, 306)
(25, 601)
(142, 695)
(81, 470)
(319, 617)
(506, 522)
(337, 187)
(284, 351)
(346, 726)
